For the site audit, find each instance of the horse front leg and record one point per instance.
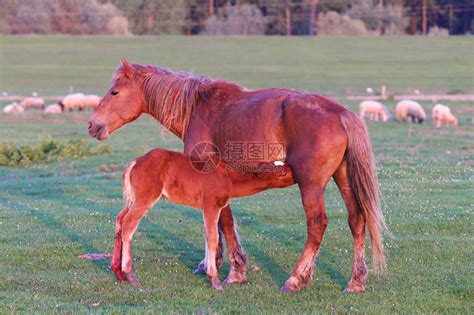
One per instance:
(237, 258)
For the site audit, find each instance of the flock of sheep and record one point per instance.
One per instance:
(407, 110)
(76, 101)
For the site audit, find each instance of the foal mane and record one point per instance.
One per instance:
(170, 97)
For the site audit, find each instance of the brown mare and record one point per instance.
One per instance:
(321, 140)
(167, 174)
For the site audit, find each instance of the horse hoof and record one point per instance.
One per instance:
(284, 289)
(132, 279)
(292, 285)
(233, 278)
(354, 289)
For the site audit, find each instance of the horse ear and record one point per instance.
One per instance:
(127, 69)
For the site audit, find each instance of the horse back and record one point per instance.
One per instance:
(270, 116)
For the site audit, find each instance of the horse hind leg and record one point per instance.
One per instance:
(316, 222)
(356, 222)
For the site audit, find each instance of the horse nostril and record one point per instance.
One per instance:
(89, 125)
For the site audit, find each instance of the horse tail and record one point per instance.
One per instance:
(128, 194)
(364, 184)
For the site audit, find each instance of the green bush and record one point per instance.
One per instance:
(48, 150)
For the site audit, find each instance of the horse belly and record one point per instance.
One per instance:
(246, 184)
(186, 196)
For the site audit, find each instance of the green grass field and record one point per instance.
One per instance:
(51, 213)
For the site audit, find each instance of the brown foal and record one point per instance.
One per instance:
(167, 174)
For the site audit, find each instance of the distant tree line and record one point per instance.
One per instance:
(243, 17)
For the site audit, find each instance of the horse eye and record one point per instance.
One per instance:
(114, 92)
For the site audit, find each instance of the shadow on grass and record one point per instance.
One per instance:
(282, 236)
(54, 225)
(277, 273)
(335, 275)
(173, 243)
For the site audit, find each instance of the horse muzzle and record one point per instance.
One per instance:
(98, 130)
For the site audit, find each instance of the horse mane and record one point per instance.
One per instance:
(170, 97)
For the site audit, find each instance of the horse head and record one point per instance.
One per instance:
(121, 104)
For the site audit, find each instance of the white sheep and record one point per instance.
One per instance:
(73, 101)
(91, 101)
(374, 110)
(408, 109)
(442, 116)
(13, 108)
(53, 109)
(32, 102)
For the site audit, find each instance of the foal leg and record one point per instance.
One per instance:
(202, 266)
(116, 262)
(211, 217)
(130, 222)
(357, 225)
(316, 221)
(226, 228)
(237, 258)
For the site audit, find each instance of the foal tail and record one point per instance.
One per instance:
(364, 183)
(128, 194)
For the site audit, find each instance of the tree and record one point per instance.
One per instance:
(244, 19)
(312, 16)
(334, 24)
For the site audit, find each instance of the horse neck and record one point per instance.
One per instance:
(172, 99)
(175, 128)
(174, 121)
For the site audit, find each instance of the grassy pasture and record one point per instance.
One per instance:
(51, 213)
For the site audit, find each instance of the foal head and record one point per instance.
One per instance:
(122, 103)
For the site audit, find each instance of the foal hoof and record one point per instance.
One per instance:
(201, 269)
(118, 273)
(120, 276)
(132, 279)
